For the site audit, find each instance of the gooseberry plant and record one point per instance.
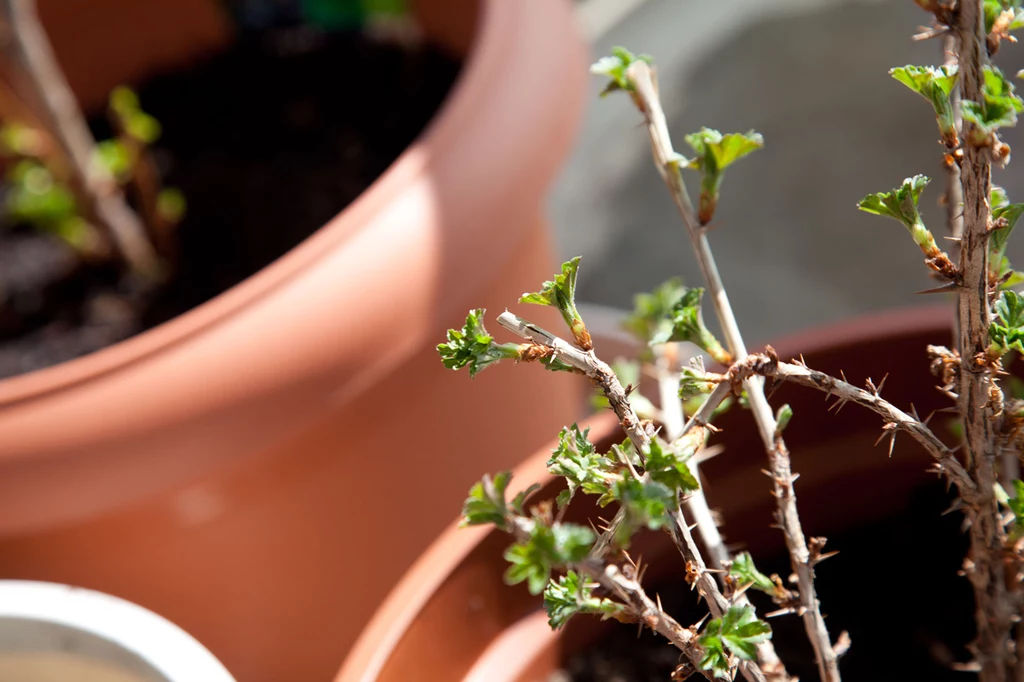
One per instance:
(652, 478)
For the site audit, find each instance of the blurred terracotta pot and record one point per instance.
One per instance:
(452, 618)
(234, 468)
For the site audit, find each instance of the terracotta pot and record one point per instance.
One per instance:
(452, 614)
(232, 468)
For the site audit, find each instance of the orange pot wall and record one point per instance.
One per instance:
(262, 469)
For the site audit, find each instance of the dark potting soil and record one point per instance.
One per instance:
(267, 141)
(894, 587)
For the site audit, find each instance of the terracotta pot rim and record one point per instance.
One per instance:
(396, 613)
(473, 83)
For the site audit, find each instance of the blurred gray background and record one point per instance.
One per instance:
(811, 76)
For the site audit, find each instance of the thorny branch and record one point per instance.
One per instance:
(993, 606)
(24, 33)
(645, 95)
(767, 364)
(697, 504)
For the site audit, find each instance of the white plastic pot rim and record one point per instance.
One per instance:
(161, 644)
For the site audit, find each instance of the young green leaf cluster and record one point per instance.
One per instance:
(736, 634)
(997, 109)
(936, 85)
(901, 204)
(714, 153)
(614, 68)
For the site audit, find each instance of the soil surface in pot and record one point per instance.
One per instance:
(267, 141)
(894, 587)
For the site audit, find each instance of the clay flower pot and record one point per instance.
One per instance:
(233, 468)
(452, 617)
(59, 632)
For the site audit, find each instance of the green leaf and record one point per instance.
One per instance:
(671, 468)
(1007, 329)
(715, 153)
(901, 204)
(936, 85)
(746, 573)
(737, 632)
(546, 548)
(1016, 503)
(687, 324)
(998, 107)
(1005, 214)
(519, 501)
(576, 459)
(572, 594)
(615, 67)
(486, 502)
(561, 293)
(651, 311)
(472, 346)
(625, 452)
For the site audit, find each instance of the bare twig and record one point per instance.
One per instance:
(986, 572)
(645, 96)
(33, 51)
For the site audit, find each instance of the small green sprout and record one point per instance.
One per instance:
(1007, 329)
(737, 633)
(936, 85)
(561, 293)
(687, 324)
(650, 316)
(998, 107)
(715, 153)
(615, 67)
(572, 594)
(901, 204)
(745, 573)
